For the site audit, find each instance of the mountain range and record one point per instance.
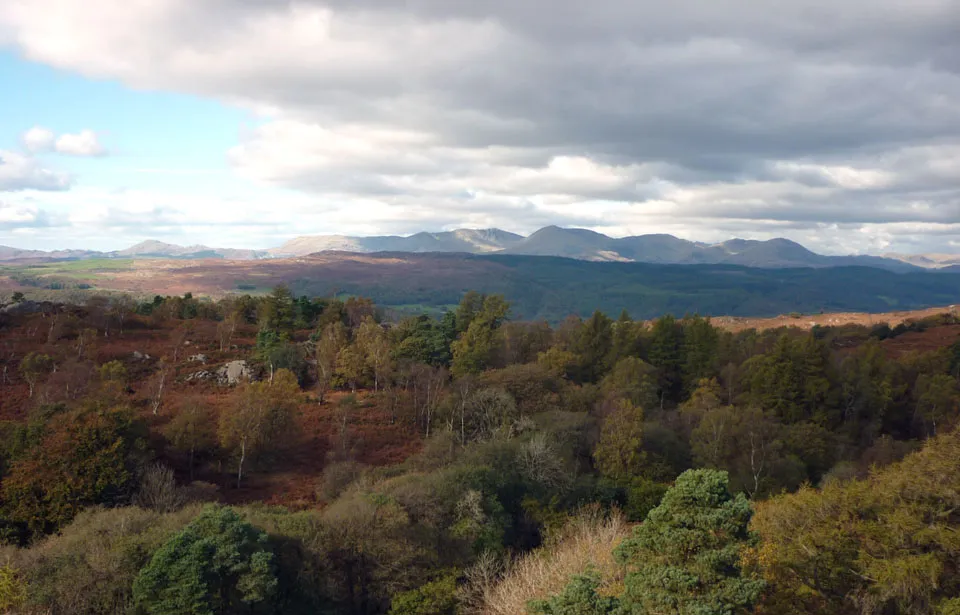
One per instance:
(579, 244)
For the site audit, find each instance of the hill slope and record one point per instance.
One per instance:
(540, 287)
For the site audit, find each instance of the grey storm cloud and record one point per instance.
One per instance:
(801, 112)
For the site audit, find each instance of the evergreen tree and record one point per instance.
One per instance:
(684, 558)
(473, 351)
(700, 344)
(218, 564)
(592, 347)
(580, 597)
(665, 353)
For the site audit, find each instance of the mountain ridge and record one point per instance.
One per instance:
(575, 243)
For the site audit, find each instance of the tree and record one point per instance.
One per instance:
(666, 340)
(793, 380)
(685, 558)
(156, 387)
(487, 412)
(351, 365)
(121, 307)
(227, 327)
(580, 597)
(192, 430)
(219, 564)
(18, 297)
(178, 338)
(277, 310)
(700, 342)
(626, 339)
(87, 344)
(422, 339)
(375, 346)
(470, 306)
(473, 351)
(619, 453)
(937, 401)
(261, 418)
(158, 490)
(437, 597)
(89, 457)
(885, 544)
(592, 347)
(633, 380)
(747, 443)
(332, 340)
(33, 367)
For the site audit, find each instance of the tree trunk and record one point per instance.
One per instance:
(243, 454)
(159, 397)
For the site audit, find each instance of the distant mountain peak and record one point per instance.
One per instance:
(552, 240)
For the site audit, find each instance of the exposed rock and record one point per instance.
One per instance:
(200, 376)
(233, 372)
(139, 356)
(198, 358)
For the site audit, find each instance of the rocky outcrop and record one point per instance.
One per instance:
(233, 372)
(200, 376)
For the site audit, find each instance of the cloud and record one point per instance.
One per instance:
(24, 217)
(84, 143)
(39, 140)
(813, 119)
(19, 172)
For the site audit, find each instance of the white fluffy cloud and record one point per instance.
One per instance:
(816, 120)
(40, 140)
(19, 172)
(84, 143)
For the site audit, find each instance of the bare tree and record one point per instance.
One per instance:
(86, 343)
(428, 385)
(178, 338)
(158, 490)
(226, 329)
(121, 308)
(157, 386)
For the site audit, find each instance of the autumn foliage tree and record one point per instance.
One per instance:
(35, 366)
(886, 544)
(619, 453)
(91, 456)
(261, 418)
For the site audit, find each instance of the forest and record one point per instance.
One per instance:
(298, 454)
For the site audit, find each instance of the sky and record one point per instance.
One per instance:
(244, 123)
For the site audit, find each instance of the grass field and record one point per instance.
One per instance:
(69, 269)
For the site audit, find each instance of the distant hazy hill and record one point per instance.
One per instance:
(927, 261)
(144, 249)
(159, 249)
(580, 244)
(667, 249)
(463, 240)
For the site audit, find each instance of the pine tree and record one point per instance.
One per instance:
(684, 558)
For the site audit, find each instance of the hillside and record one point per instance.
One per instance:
(580, 244)
(461, 240)
(539, 287)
